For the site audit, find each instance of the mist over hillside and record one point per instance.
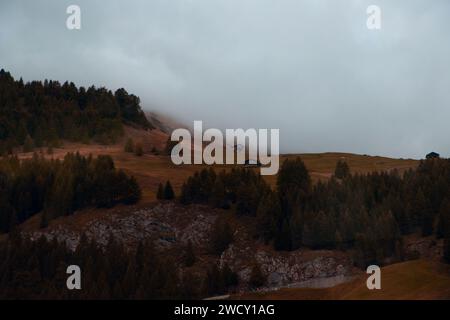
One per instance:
(312, 70)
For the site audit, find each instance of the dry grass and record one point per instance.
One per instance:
(150, 169)
(411, 280)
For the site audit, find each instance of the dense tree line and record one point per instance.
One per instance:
(165, 192)
(240, 186)
(367, 213)
(60, 187)
(41, 113)
(37, 270)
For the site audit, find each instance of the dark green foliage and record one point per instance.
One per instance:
(342, 170)
(257, 278)
(319, 231)
(221, 236)
(42, 113)
(37, 270)
(368, 213)
(165, 192)
(283, 240)
(219, 280)
(443, 226)
(130, 189)
(293, 184)
(230, 278)
(59, 188)
(241, 186)
(218, 198)
(168, 191)
(268, 215)
(130, 109)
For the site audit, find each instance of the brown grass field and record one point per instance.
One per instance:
(411, 280)
(151, 169)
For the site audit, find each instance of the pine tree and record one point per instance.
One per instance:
(257, 278)
(268, 214)
(131, 191)
(230, 278)
(443, 219)
(214, 282)
(293, 185)
(221, 236)
(342, 170)
(168, 191)
(218, 196)
(283, 239)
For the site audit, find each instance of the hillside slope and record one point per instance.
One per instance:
(411, 280)
(152, 169)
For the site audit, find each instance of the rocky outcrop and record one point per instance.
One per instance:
(164, 224)
(172, 226)
(286, 268)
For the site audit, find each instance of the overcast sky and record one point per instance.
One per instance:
(308, 67)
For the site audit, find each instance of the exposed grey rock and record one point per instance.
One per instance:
(159, 223)
(169, 225)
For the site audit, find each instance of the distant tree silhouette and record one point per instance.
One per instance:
(221, 236)
(168, 191)
(60, 187)
(342, 170)
(37, 270)
(43, 113)
(257, 279)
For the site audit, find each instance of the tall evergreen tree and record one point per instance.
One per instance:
(168, 191)
(221, 236)
(342, 170)
(257, 278)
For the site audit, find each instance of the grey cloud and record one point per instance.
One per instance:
(308, 67)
